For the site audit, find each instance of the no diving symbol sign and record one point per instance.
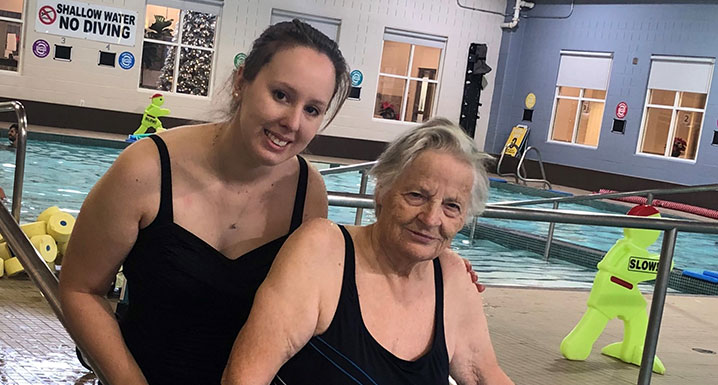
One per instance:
(47, 15)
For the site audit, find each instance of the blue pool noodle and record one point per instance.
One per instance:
(699, 275)
(710, 273)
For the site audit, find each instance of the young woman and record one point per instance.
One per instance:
(197, 214)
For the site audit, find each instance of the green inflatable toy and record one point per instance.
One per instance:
(150, 119)
(615, 295)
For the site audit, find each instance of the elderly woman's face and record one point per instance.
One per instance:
(426, 206)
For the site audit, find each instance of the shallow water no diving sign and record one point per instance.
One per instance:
(86, 21)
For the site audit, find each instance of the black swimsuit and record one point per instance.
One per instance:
(348, 354)
(187, 301)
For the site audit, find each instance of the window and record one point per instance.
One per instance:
(10, 34)
(580, 97)
(408, 76)
(179, 44)
(675, 106)
(326, 25)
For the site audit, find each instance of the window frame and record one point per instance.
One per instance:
(580, 98)
(417, 36)
(179, 45)
(675, 108)
(21, 22)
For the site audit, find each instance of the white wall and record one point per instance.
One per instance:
(83, 83)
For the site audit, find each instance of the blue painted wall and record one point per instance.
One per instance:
(529, 60)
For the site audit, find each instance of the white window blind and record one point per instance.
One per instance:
(325, 25)
(207, 6)
(414, 38)
(584, 70)
(680, 74)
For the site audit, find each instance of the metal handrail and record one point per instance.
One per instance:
(351, 167)
(590, 197)
(20, 144)
(39, 273)
(579, 198)
(669, 226)
(520, 167)
(500, 211)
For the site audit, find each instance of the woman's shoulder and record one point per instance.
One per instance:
(452, 264)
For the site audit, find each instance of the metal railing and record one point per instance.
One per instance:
(649, 194)
(363, 168)
(669, 226)
(520, 167)
(21, 146)
(39, 273)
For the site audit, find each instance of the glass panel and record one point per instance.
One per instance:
(589, 123)
(594, 94)
(198, 29)
(161, 23)
(666, 98)
(568, 91)
(655, 132)
(685, 141)
(9, 45)
(158, 62)
(426, 62)
(395, 58)
(194, 69)
(692, 100)
(564, 120)
(389, 97)
(11, 9)
(420, 101)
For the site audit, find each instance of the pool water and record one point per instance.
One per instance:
(62, 174)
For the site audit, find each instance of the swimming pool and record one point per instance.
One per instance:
(62, 174)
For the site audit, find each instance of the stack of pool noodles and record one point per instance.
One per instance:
(49, 235)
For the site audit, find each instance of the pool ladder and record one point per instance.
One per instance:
(520, 174)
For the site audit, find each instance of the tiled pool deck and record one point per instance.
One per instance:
(526, 326)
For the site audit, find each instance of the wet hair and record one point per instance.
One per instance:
(291, 34)
(438, 134)
(12, 126)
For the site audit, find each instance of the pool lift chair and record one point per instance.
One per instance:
(515, 146)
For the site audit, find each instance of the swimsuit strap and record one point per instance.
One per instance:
(165, 212)
(299, 198)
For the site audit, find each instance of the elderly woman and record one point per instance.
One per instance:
(386, 303)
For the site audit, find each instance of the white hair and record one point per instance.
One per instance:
(439, 134)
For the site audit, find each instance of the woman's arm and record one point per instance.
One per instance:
(296, 301)
(472, 357)
(105, 231)
(316, 204)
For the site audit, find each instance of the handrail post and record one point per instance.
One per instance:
(549, 237)
(472, 232)
(649, 199)
(362, 191)
(20, 145)
(657, 304)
